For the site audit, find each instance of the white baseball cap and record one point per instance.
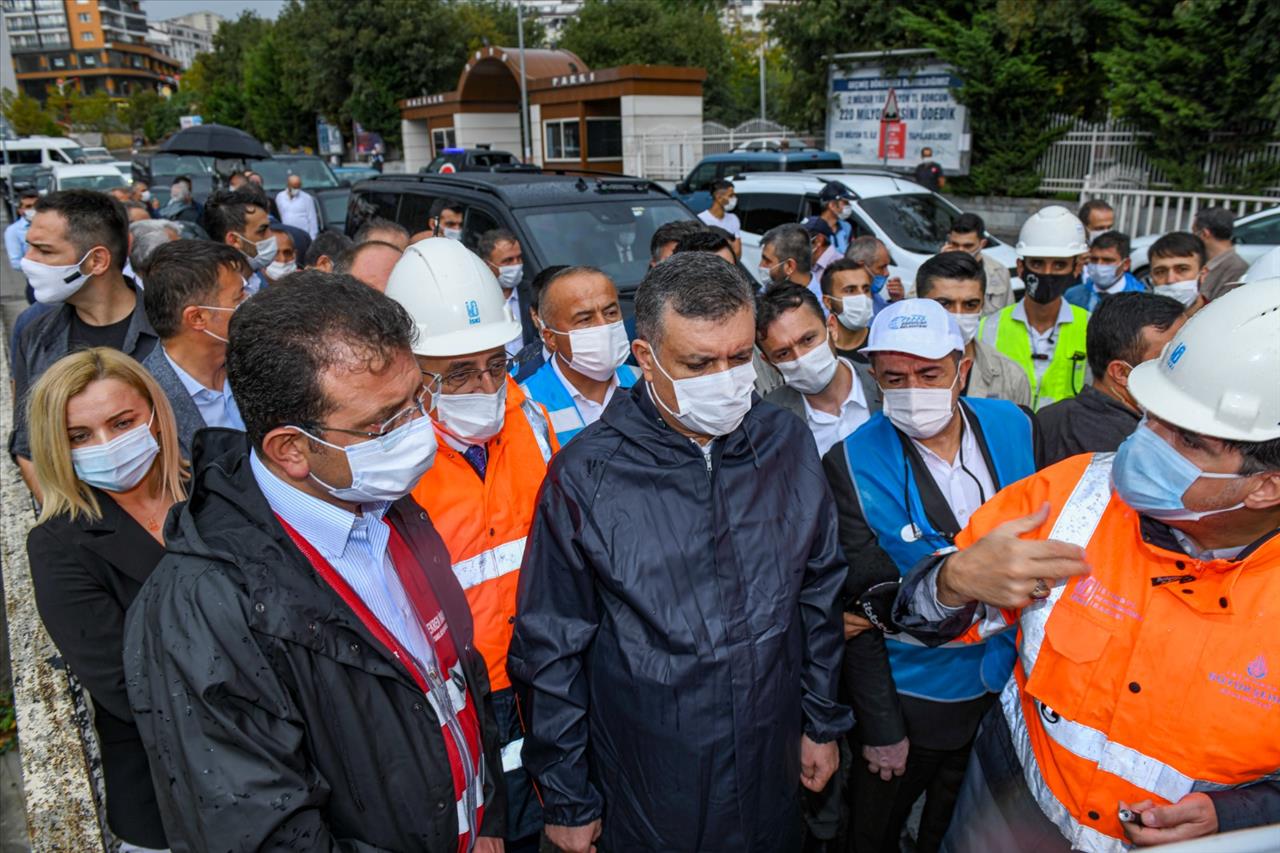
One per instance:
(919, 327)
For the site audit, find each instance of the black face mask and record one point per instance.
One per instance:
(1046, 287)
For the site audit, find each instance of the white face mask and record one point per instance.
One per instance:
(509, 276)
(29, 214)
(451, 233)
(730, 204)
(597, 350)
(277, 270)
(714, 404)
(473, 418)
(266, 251)
(178, 192)
(293, 192)
(920, 412)
(855, 311)
(386, 468)
(54, 284)
(1095, 233)
(845, 212)
(145, 195)
(119, 464)
(968, 324)
(811, 372)
(765, 274)
(1183, 291)
(1103, 276)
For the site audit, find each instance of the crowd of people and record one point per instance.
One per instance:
(385, 543)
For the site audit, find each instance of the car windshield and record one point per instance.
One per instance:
(181, 164)
(918, 222)
(275, 173)
(611, 235)
(75, 154)
(91, 182)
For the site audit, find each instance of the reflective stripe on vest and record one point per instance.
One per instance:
(511, 756)
(544, 386)
(541, 430)
(1063, 377)
(487, 565)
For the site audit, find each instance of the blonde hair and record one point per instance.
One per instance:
(63, 491)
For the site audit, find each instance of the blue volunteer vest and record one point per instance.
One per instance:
(879, 468)
(546, 388)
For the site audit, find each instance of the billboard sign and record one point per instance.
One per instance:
(879, 119)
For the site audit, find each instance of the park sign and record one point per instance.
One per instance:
(881, 118)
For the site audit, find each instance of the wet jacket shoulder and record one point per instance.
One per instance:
(656, 585)
(273, 718)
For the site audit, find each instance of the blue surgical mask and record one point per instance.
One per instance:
(1103, 276)
(1151, 476)
(120, 464)
(878, 282)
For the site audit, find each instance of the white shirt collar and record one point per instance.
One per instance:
(193, 385)
(577, 395)
(854, 397)
(1064, 312)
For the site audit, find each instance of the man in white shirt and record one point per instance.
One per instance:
(501, 252)
(298, 208)
(582, 328)
(832, 395)
(720, 214)
(905, 484)
(193, 287)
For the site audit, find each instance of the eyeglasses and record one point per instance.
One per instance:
(457, 381)
(399, 419)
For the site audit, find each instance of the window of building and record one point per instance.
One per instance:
(86, 37)
(442, 139)
(562, 139)
(59, 62)
(88, 60)
(22, 22)
(604, 139)
(85, 17)
(48, 22)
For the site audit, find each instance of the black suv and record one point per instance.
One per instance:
(452, 160)
(603, 222)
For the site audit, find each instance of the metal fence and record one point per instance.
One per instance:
(1109, 154)
(1162, 211)
(670, 156)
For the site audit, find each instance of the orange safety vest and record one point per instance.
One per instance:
(1154, 676)
(484, 522)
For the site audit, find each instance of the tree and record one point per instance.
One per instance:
(26, 116)
(1201, 76)
(656, 32)
(223, 97)
(274, 113)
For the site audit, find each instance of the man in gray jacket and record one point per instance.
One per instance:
(958, 283)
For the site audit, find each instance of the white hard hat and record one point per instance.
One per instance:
(1052, 232)
(1267, 266)
(919, 327)
(1220, 375)
(453, 298)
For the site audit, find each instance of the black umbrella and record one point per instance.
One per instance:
(214, 140)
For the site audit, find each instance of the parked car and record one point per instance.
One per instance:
(452, 160)
(92, 176)
(350, 174)
(26, 176)
(911, 220)
(695, 189)
(605, 222)
(98, 155)
(1255, 235)
(125, 167)
(159, 169)
(38, 151)
(1267, 266)
(318, 179)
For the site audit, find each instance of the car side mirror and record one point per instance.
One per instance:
(682, 188)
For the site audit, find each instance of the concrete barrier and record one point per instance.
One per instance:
(62, 810)
(1004, 216)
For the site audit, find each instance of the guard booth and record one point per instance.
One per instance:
(578, 118)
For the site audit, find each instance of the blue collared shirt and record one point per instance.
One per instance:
(217, 408)
(356, 547)
(15, 241)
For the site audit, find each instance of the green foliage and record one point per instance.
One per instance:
(1190, 70)
(26, 116)
(273, 112)
(223, 95)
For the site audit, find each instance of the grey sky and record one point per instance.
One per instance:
(158, 10)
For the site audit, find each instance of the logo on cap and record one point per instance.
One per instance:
(909, 321)
(473, 312)
(1176, 355)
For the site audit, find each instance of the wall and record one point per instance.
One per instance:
(500, 131)
(1004, 216)
(535, 132)
(416, 143)
(647, 114)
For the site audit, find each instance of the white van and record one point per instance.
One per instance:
(44, 151)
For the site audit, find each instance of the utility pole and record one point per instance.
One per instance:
(763, 116)
(524, 88)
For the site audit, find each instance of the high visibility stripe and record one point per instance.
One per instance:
(511, 756)
(1075, 524)
(563, 420)
(1080, 837)
(490, 564)
(541, 429)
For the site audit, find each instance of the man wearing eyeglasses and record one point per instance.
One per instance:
(494, 447)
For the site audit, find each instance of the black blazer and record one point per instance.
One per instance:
(86, 574)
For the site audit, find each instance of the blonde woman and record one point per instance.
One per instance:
(105, 451)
